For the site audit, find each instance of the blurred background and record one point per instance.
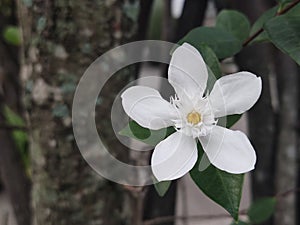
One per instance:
(45, 47)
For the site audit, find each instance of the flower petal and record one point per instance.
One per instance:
(229, 150)
(174, 157)
(187, 71)
(146, 106)
(235, 93)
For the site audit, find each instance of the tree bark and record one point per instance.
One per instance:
(61, 39)
(13, 177)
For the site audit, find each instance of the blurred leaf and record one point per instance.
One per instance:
(20, 137)
(235, 23)
(162, 187)
(155, 25)
(60, 111)
(131, 10)
(223, 43)
(150, 137)
(261, 210)
(12, 35)
(239, 223)
(27, 3)
(223, 188)
(284, 1)
(41, 24)
(284, 32)
(266, 16)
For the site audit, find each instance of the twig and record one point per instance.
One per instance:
(287, 193)
(281, 12)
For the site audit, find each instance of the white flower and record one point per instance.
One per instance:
(194, 117)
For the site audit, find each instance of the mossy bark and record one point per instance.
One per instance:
(61, 39)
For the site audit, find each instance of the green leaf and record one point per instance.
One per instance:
(223, 188)
(232, 119)
(150, 137)
(12, 35)
(284, 32)
(235, 23)
(229, 121)
(162, 187)
(266, 16)
(211, 60)
(295, 11)
(261, 210)
(20, 137)
(223, 43)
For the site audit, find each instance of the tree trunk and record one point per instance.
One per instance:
(13, 177)
(61, 39)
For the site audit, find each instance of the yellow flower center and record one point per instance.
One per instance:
(194, 118)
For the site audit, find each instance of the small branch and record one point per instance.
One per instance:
(11, 127)
(281, 12)
(287, 193)
(290, 6)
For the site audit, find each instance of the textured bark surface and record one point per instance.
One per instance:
(15, 180)
(61, 39)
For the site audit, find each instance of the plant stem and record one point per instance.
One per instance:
(281, 12)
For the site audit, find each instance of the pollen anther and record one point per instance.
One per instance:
(194, 118)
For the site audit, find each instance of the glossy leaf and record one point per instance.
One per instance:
(284, 32)
(265, 17)
(261, 210)
(150, 137)
(223, 188)
(162, 187)
(12, 35)
(235, 23)
(223, 43)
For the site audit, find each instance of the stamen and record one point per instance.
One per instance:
(194, 118)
